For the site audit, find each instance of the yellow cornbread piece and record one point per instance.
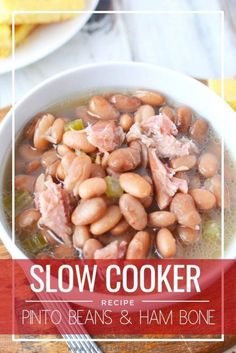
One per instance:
(229, 90)
(5, 40)
(7, 6)
(21, 32)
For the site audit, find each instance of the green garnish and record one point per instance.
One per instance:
(23, 199)
(35, 244)
(113, 187)
(76, 124)
(211, 230)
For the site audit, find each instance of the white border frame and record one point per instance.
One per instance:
(219, 12)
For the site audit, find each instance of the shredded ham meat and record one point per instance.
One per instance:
(114, 250)
(159, 124)
(55, 207)
(160, 132)
(166, 184)
(105, 135)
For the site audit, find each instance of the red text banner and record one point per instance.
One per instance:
(166, 297)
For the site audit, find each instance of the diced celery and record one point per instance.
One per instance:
(211, 230)
(76, 124)
(35, 244)
(113, 187)
(7, 203)
(23, 199)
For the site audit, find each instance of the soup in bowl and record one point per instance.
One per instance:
(114, 162)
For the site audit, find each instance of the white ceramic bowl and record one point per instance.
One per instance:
(117, 75)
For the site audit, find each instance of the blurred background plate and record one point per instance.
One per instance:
(45, 39)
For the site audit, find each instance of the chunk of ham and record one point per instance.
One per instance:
(54, 204)
(114, 250)
(159, 124)
(168, 146)
(166, 184)
(136, 133)
(160, 132)
(105, 135)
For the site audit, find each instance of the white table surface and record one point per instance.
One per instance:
(189, 43)
(186, 42)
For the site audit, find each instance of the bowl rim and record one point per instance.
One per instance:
(6, 238)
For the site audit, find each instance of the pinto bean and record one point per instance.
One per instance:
(204, 199)
(183, 119)
(208, 165)
(133, 211)
(126, 121)
(90, 246)
(27, 218)
(24, 182)
(143, 113)
(80, 235)
(77, 140)
(48, 158)
(199, 129)
(188, 236)
(166, 110)
(97, 171)
(121, 227)
(89, 211)
(92, 187)
(147, 201)
(166, 243)
(67, 160)
(102, 109)
(139, 246)
(161, 219)
(63, 149)
(124, 159)
(107, 221)
(150, 97)
(76, 173)
(182, 205)
(183, 163)
(55, 132)
(42, 126)
(124, 103)
(214, 185)
(135, 185)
